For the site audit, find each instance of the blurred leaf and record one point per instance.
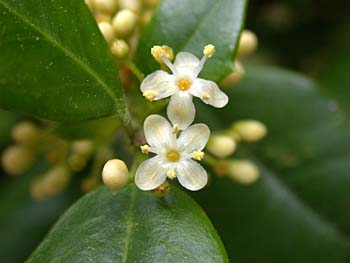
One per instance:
(23, 221)
(189, 25)
(298, 210)
(132, 226)
(7, 120)
(54, 62)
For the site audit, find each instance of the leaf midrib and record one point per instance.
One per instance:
(59, 46)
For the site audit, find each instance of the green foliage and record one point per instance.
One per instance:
(188, 25)
(55, 63)
(298, 210)
(7, 119)
(132, 226)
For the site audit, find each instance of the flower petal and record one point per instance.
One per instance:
(194, 138)
(186, 61)
(158, 132)
(181, 110)
(161, 82)
(209, 92)
(191, 175)
(150, 174)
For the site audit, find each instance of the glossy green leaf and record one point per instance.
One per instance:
(7, 120)
(132, 226)
(54, 63)
(189, 25)
(298, 210)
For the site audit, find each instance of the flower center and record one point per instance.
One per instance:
(184, 84)
(173, 156)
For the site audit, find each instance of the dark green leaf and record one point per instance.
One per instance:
(54, 62)
(132, 226)
(298, 210)
(188, 25)
(7, 120)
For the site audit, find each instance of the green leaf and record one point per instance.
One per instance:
(189, 25)
(298, 210)
(7, 120)
(132, 226)
(23, 221)
(54, 63)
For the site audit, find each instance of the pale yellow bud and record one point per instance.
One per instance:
(77, 162)
(249, 130)
(161, 190)
(209, 50)
(162, 51)
(56, 179)
(115, 174)
(90, 4)
(55, 154)
(146, 17)
(235, 76)
(124, 23)
(37, 190)
(25, 133)
(106, 6)
(247, 43)
(17, 159)
(133, 5)
(243, 171)
(103, 18)
(119, 49)
(221, 145)
(83, 147)
(107, 31)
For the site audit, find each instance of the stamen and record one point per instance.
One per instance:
(175, 129)
(209, 50)
(205, 96)
(162, 51)
(145, 149)
(171, 174)
(150, 95)
(198, 155)
(169, 64)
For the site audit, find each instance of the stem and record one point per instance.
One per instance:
(134, 69)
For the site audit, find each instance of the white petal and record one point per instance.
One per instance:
(150, 174)
(186, 61)
(158, 132)
(161, 82)
(202, 88)
(191, 175)
(181, 110)
(194, 138)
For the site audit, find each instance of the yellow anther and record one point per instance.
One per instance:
(145, 149)
(205, 96)
(175, 129)
(209, 50)
(171, 174)
(198, 155)
(162, 51)
(149, 94)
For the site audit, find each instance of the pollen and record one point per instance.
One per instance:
(145, 149)
(149, 94)
(162, 51)
(209, 50)
(173, 156)
(205, 96)
(171, 174)
(184, 84)
(198, 155)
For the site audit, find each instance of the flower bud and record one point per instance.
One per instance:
(221, 145)
(235, 76)
(56, 179)
(103, 18)
(133, 5)
(25, 133)
(106, 6)
(77, 162)
(119, 49)
(243, 171)
(161, 190)
(90, 4)
(124, 23)
(115, 174)
(247, 43)
(146, 17)
(107, 31)
(249, 130)
(83, 147)
(16, 159)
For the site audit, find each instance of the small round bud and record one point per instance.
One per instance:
(82, 147)
(56, 179)
(90, 4)
(106, 6)
(25, 133)
(124, 23)
(221, 145)
(107, 31)
(103, 18)
(161, 190)
(119, 49)
(249, 130)
(244, 172)
(146, 17)
(16, 159)
(133, 5)
(37, 189)
(247, 43)
(77, 162)
(162, 51)
(115, 174)
(209, 50)
(235, 76)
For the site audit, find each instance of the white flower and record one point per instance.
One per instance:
(173, 155)
(181, 85)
